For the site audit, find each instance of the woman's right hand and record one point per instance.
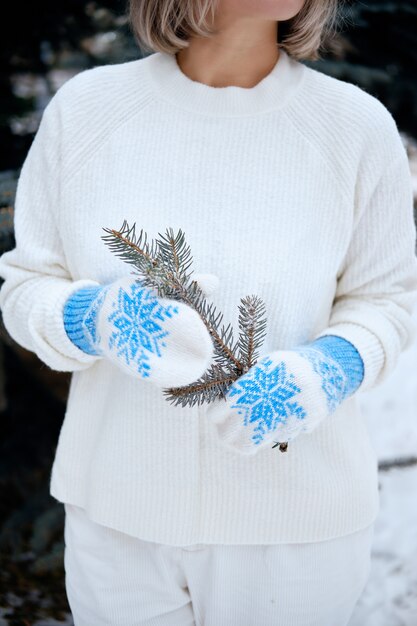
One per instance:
(157, 339)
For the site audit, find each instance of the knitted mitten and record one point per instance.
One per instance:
(286, 393)
(158, 339)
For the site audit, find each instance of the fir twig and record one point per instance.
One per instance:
(136, 251)
(165, 265)
(175, 254)
(252, 329)
(212, 384)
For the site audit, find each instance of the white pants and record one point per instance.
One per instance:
(118, 580)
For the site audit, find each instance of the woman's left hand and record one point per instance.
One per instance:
(286, 393)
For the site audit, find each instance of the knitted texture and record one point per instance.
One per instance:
(75, 311)
(287, 393)
(78, 307)
(158, 339)
(297, 190)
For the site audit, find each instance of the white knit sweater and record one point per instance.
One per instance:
(298, 190)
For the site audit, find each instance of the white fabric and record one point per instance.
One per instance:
(208, 282)
(118, 580)
(297, 190)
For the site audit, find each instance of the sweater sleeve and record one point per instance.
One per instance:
(37, 281)
(377, 284)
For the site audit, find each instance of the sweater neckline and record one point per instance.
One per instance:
(272, 92)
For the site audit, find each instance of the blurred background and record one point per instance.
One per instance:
(42, 45)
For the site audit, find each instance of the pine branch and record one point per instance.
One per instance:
(211, 385)
(175, 254)
(193, 295)
(252, 329)
(159, 266)
(130, 248)
(217, 379)
(164, 265)
(138, 252)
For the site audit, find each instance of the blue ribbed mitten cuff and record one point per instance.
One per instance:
(347, 357)
(75, 311)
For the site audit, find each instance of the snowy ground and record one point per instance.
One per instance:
(390, 597)
(390, 410)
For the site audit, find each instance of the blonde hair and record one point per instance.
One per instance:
(165, 25)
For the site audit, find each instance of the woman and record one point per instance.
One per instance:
(289, 184)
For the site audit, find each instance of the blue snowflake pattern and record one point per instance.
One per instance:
(138, 322)
(265, 397)
(334, 380)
